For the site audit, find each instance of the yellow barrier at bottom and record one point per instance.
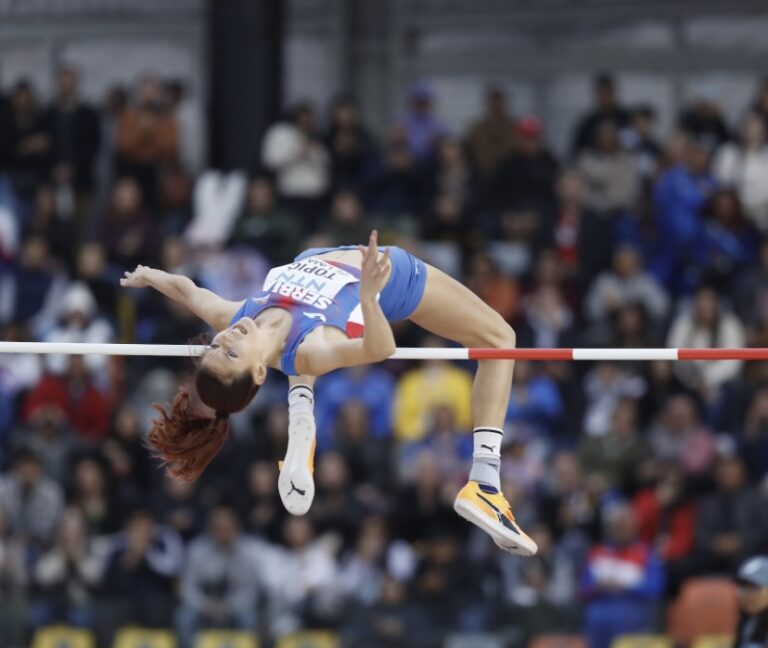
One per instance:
(133, 637)
(225, 639)
(63, 637)
(310, 639)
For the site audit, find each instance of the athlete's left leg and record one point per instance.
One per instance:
(452, 311)
(296, 483)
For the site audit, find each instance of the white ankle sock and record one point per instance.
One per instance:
(486, 457)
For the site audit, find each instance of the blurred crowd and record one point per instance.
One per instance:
(632, 478)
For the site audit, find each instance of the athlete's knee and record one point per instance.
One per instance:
(499, 334)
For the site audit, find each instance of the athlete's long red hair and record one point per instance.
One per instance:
(189, 434)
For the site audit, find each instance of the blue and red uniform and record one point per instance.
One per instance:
(318, 292)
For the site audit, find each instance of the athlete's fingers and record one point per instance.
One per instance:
(373, 244)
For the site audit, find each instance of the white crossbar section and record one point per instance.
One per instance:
(625, 354)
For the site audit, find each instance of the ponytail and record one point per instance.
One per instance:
(190, 434)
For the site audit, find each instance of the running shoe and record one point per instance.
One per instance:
(488, 509)
(296, 483)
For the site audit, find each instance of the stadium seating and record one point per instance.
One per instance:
(642, 641)
(713, 641)
(558, 641)
(132, 637)
(705, 606)
(63, 637)
(311, 639)
(226, 639)
(474, 641)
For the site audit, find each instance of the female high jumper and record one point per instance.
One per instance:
(329, 309)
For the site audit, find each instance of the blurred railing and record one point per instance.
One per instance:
(47, 9)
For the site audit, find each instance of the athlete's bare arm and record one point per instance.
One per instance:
(315, 357)
(208, 306)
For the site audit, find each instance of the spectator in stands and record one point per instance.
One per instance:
(347, 222)
(449, 194)
(707, 324)
(730, 523)
(395, 188)
(52, 224)
(267, 225)
(75, 134)
(338, 506)
(13, 582)
(680, 196)
(30, 141)
(679, 435)
(524, 187)
(88, 410)
(535, 402)
(300, 162)
(141, 567)
(495, 288)
(616, 454)
(127, 229)
(606, 108)
(752, 580)
(49, 435)
(124, 451)
(91, 269)
(583, 239)
(30, 501)
(351, 146)
(363, 569)
(79, 321)
(435, 382)
(626, 283)
(605, 387)
(301, 578)
(422, 128)
(743, 166)
(220, 580)
(258, 504)
(147, 137)
(622, 581)
(666, 512)
(729, 243)
(366, 456)
(753, 444)
(639, 139)
(192, 131)
(31, 289)
(424, 502)
(174, 207)
(703, 116)
(370, 385)
(612, 179)
(491, 138)
(66, 575)
(389, 621)
(92, 494)
(541, 592)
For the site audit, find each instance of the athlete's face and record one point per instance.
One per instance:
(235, 350)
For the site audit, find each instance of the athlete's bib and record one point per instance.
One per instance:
(310, 281)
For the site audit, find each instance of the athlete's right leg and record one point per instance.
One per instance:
(452, 311)
(296, 483)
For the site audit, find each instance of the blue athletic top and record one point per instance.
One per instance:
(316, 293)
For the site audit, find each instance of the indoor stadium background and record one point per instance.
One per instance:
(596, 170)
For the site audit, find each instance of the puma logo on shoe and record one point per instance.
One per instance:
(298, 490)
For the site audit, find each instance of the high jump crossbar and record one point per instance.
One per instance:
(406, 353)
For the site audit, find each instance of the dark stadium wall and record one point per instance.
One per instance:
(246, 61)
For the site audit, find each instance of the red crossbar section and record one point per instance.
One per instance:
(520, 354)
(722, 354)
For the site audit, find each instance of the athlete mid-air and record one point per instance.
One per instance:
(329, 309)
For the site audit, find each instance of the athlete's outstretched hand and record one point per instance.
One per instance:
(375, 270)
(136, 279)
